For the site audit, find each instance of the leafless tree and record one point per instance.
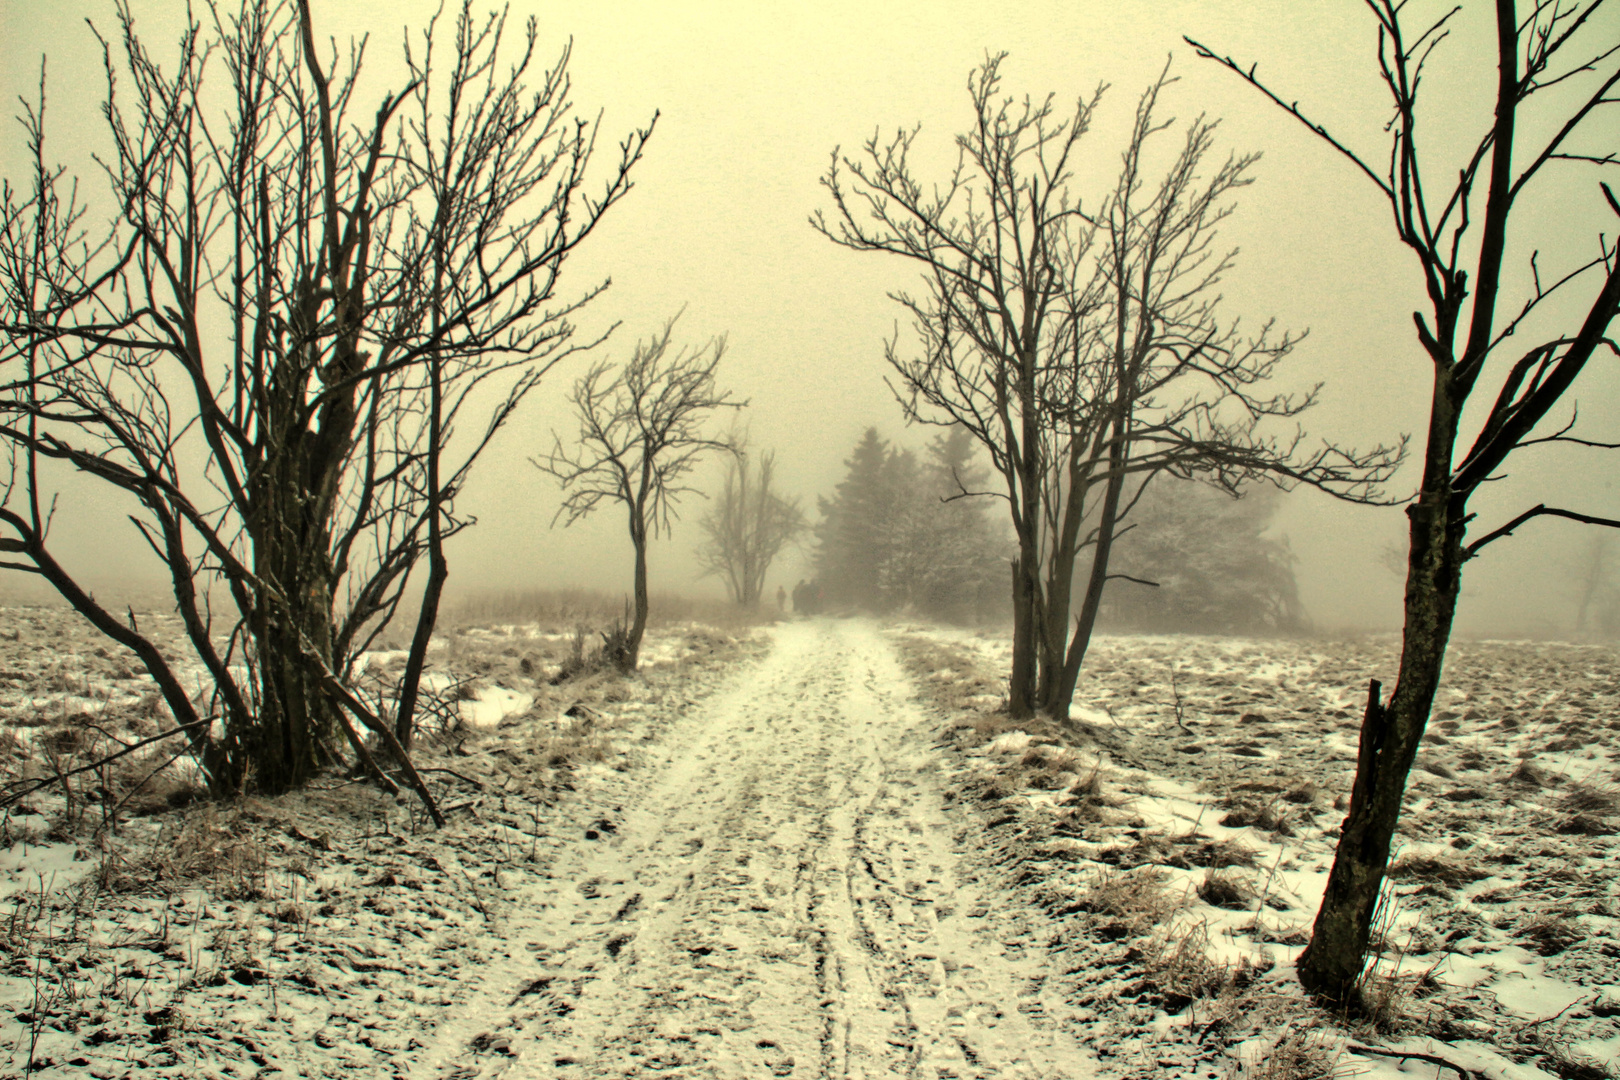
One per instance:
(271, 342)
(1591, 575)
(1460, 237)
(747, 525)
(640, 434)
(1081, 348)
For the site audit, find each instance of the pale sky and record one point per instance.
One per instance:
(754, 97)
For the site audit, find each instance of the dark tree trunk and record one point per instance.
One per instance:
(638, 626)
(427, 616)
(295, 717)
(426, 619)
(1331, 965)
(1021, 690)
(1055, 616)
(290, 523)
(1063, 698)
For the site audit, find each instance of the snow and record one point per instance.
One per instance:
(760, 858)
(1273, 726)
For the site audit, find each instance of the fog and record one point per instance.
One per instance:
(753, 99)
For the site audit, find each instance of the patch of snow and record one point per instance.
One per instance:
(1011, 742)
(492, 704)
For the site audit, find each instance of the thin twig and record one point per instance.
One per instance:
(1413, 1055)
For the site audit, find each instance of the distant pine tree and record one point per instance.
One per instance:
(892, 537)
(850, 537)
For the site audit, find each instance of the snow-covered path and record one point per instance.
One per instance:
(778, 894)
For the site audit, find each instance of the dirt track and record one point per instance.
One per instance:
(780, 893)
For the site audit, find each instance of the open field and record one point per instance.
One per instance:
(814, 850)
(1183, 826)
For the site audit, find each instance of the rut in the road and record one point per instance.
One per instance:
(779, 895)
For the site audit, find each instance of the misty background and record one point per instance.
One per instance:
(752, 102)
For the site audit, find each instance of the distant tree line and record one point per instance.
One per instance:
(910, 532)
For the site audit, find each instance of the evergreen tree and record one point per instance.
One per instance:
(850, 538)
(892, 537)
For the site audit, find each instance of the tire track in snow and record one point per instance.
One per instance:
(780, 897)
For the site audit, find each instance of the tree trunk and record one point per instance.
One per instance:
(1021, 687)
(294, 713)
(1054, 615)
(1063, 698)
(410, 684)
(427, 616)
(290, 525)
(1331, 965)
(632, 647)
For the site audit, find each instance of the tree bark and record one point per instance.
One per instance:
(1063, 698)
(1021, 690)
(1331, 966)
(638, 627)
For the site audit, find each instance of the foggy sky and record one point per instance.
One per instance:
(753, 99)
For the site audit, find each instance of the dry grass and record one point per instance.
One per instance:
(1586, 825)
(1589, 799)
(1046, 768)
(989, 725)
(1133, 900)
(1177, 963)
(1551, 934)
(1384, 1000)
(1267, 816)
(1564, 1062)
(1528, 774)
(1224, 889)
(1298, 1055)
(200, 846)
(1450, 872)
(572, 748)
(1217, 854)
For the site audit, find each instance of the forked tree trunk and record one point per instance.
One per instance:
(1055, 627)
(1063, 698)
(1331, 966)
(290, 525)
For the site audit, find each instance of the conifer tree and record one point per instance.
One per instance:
(850, 536)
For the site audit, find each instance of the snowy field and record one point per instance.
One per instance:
(1184, 826)
(818, 850)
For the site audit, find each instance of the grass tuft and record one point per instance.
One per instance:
(1307, 1055)
(1225, 890)
(1450, 872)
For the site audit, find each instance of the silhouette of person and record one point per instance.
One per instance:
(781, 598)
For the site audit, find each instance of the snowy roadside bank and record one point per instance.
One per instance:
(312, 935)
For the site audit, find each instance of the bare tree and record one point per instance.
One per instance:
(640, 434)
(748, 525)
(1460, 237)
(1082, 349)
(1591, 575)
(269, 345)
